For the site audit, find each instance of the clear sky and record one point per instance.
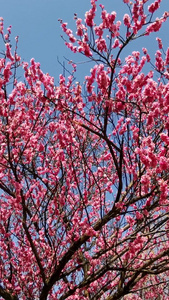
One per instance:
(36, 24)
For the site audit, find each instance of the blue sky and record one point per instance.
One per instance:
(36, 24)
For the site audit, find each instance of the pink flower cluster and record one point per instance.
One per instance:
(84, 167)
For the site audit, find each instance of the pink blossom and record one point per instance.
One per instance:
(116, 43)
(139, 216)
(160, 45)
(167, 58)
(101, 45)
(89, 16)
(154, 6)
(126, 20)
(154, 27)
(163, 163)
(99, 30)
(8, 52)
(84, 47)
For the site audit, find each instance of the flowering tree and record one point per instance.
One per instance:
(84, 169)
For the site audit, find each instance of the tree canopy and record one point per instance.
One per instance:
(84, 168)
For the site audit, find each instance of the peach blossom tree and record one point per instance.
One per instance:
(84, 169)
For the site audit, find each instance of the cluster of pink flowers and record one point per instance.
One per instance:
(154, 6)
(84, 168)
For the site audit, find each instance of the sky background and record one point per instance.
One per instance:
(36, 24)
